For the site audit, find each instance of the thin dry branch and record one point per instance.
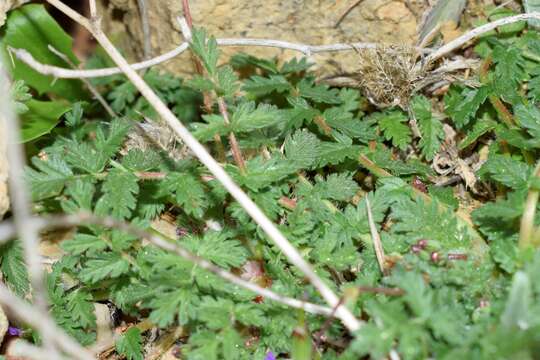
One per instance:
(147, 45)
(465, 38)
(22, 349)
(305, 49)
(93, 9)
(344, 314)
(7, 231)
(63, 73)
(375, 237)
(86, 82)
(527, 228)
(20, 204)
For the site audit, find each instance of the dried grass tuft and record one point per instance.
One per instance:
(388, 74)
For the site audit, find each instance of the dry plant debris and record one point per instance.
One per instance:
(387, 74)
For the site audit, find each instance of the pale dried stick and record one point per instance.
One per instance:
(39, 320)
(375, 237)
(527, 227)
(465, 38)
(63, 73)
(7, 231)
(59, 72)
(93, 9)
(20, 204)
(86, 82)
(344, 314)
(147, 45)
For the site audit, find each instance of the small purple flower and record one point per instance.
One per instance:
(270, 356)
(14, 331)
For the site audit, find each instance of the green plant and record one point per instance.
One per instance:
(313, 155)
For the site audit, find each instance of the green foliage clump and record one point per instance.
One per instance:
(456, 285)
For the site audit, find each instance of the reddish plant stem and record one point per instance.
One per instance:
(189, 21)
(235, 148)
(207, 98)
(187, 13)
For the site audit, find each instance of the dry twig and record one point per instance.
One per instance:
(20, 205)
(375, 237)
(465, 38)
(305, 49)
(41, 321)
(147, 45)
(64, 73)
(527, 227)
(86, 82)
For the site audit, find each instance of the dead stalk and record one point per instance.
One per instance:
(86, 82)
(465, 38)
(145, 25)
(21, 206)
(527, 228)
(375, 237)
